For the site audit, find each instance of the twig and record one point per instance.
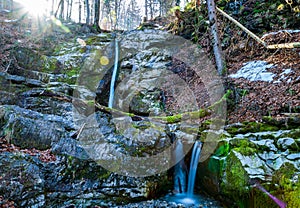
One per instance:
(242, 27)
(8, 66)
(80, 131)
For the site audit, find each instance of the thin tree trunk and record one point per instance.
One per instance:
(87, 12)
(151, 9)
(116, 13)
(214, 32)
(60, 2)
(97, 14)
(146, 11)
(80, 12)
(70, 12)
(52, 7)
(61, 15)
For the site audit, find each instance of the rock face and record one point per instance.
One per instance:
(37, 112)
(49, 105)
(241, 159)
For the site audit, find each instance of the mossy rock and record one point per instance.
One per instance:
(98, 40)
(235, 183)
(253, 127)
(28, 58)
(243, 146)
(295, 134)
(287, 177)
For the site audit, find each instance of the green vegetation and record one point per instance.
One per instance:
(251, 127)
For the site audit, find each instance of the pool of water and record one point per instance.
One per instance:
(192, 200)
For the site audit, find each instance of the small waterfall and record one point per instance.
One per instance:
(182, 195)
(180, 169)
(114, 75)
(193, 167)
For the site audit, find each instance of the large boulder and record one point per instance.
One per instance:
(242, 159)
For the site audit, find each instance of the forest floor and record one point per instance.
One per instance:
(252, 100)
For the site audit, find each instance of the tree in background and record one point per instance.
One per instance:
(87, 10)
(211, 7)
(97, 14)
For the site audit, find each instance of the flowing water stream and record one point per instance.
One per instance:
(186, 195)
(193, 167)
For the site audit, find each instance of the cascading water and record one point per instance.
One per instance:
(182, 196)
(193, 167)
(180, 169)
(114, 75)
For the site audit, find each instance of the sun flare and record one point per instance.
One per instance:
(35, 7)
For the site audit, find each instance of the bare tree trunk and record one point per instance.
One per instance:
(58, 7)
(97, 14)
(151, 9)
(52, 7)
(70, 9)
(87, 12)
(68, 5)
(146, 11)
(62, 8)
(116, 13)
(214, 32)
(80, 11)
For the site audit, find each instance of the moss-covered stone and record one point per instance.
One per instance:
(235, 183)
(253, 127)
(98, 40)
(244, 146)
(287, 177)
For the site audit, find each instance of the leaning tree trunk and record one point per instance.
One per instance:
(214, 32)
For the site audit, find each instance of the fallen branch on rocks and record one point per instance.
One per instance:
(255, 37)
(164, 119)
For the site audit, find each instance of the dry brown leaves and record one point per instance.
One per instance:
(4, 203)
(43, 155)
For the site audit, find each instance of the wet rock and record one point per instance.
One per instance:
(266, 143)
(31, 74)
(22, 180)
(287, 143)
(293, 156)
(29, 129)
(28, 58)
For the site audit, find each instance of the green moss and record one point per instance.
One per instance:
(260, 199)
(222, 150)
(295, 134)
(96, 40)
(49, 64)
(77, 169)
(235, 184)
(244, 147)
(251, 127)
(174, 119)
(287, 186)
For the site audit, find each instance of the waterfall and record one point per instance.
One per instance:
(193, 167)
(114, 76)
(180, 169)
(182, 195)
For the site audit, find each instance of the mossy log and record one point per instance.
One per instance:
(201, 113)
